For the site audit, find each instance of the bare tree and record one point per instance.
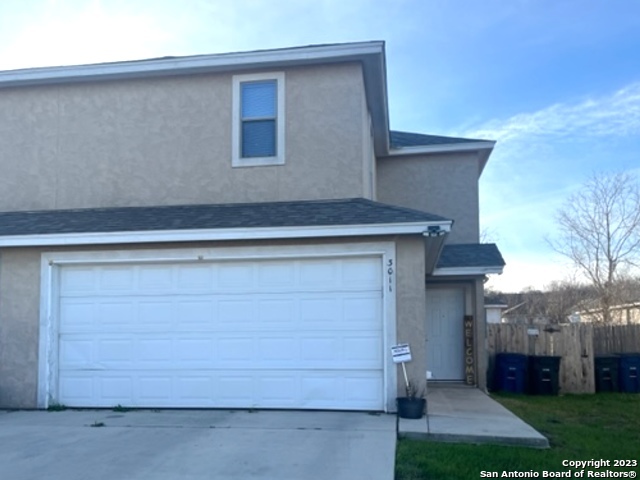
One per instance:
(600, 233)
(564, 297)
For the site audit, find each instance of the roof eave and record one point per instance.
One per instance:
(485, 146)
(193, 64)
(458, 271)
(220, 234)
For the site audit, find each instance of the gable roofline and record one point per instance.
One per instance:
(469, 259)
(370, 54)
(447, 147)
(408, 143)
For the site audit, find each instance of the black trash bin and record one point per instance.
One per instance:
(511, 372)
(543, 375)
(629, 370)
(607, 367)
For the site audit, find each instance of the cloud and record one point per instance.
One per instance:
(616, 114)
(530, 271)
(541, 157)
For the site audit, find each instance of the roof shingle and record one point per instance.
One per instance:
(471, 255)
(357, 211)
(408, 139)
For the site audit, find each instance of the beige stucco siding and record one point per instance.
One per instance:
(19, 325)
(480, 334)
(411, 309)
(168, 141)
(444, 184)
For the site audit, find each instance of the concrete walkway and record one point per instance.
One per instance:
(457, 413)
(196, 444)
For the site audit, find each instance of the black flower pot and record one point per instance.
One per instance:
(410, 407)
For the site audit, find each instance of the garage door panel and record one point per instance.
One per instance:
(78, 315)
(78, 389)
(363, 310)
(116, 279)
(78, 280)
(282, 333)
(235, 351)
(235, 389)
(197, 314)
(236, 310)
(196, 278)
(276, 274)
(361, 349)
(319, 273)
(112, 314)
(194, 351)
(114, 389)
(361, 389)
(319, 309)
(195, 390)
(116, 352)
(280, 312)
(275, 389)
(154, 389)
(231, 276)
(278, 349)
(155, 278)
(155, 352)
(361, 272)
(76, 352)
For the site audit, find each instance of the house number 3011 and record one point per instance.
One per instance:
(390, 274)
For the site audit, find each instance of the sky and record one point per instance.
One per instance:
(555, 82)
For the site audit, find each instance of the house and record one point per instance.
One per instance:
(622, 314)
(237, 230)
(493, 312)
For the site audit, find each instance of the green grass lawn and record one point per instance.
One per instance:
(579, 427)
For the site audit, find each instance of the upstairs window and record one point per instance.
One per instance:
(258, 120)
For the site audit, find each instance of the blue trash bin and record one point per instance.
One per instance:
(511, 372)
(629, 369)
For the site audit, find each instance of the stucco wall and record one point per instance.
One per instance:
(19, 324)
(443, 184)
(482, 359)
(411, 309)
(168, 141)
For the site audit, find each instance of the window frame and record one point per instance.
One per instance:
(236, 132)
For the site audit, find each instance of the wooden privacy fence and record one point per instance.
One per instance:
(616, 339)
(577, 344)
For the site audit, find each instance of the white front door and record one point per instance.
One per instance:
(445, 333)
(274, 333)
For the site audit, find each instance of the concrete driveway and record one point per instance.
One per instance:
(196, 444)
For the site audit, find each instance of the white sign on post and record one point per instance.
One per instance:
(401, 353)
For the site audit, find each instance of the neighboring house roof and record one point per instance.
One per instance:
(470, 258)
(407, 139)
(268, 216)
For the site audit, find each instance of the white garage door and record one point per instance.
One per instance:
(304, 333)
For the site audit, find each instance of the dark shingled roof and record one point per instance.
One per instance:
(357, 211)
(408, 139)
(470, 255)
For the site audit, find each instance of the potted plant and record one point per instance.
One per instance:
(411, 406)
